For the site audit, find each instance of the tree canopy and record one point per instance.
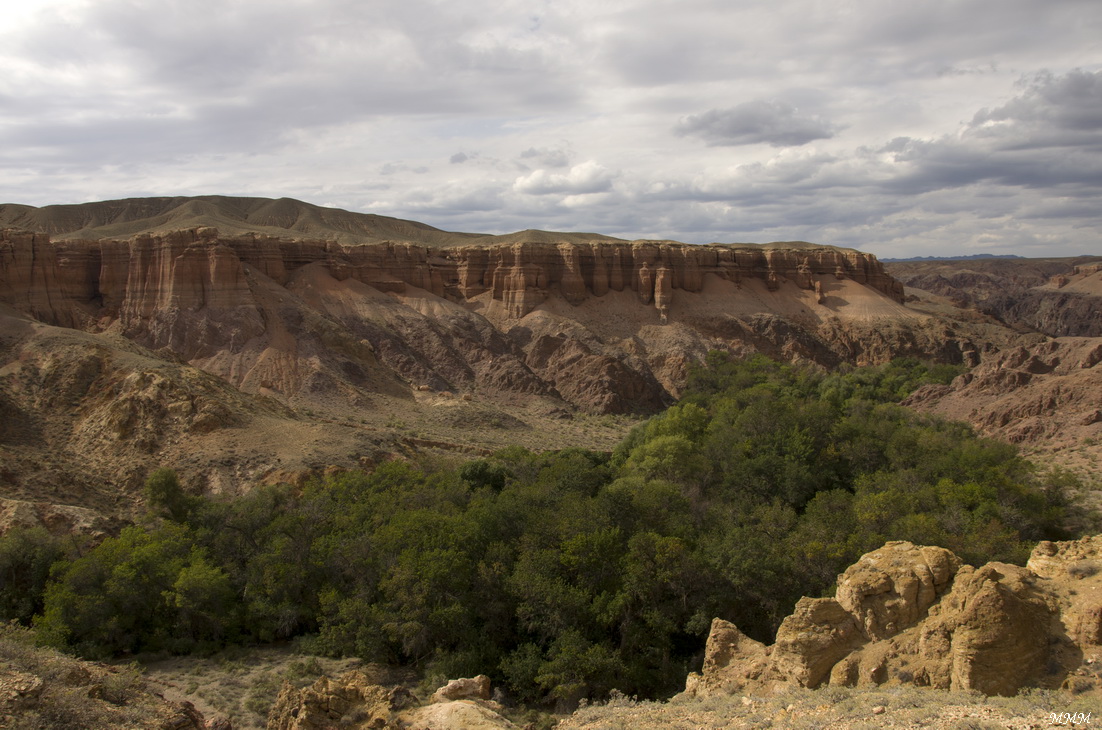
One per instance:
(566, 574)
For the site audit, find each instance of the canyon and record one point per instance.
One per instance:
(246, 340)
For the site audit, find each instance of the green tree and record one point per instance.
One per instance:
(26, 556)
(166, 498)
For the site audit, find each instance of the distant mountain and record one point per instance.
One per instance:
(284, 217)
(971, 257)
(279, 218)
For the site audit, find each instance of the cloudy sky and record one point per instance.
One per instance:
(932, 128)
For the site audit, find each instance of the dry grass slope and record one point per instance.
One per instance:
(41, 688)
(839, 709)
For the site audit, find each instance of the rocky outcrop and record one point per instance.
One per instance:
(350, 700)
(468, 688)
(907, 614)
(353, 701)
(1044, 393)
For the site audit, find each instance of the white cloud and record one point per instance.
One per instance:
(588, 177)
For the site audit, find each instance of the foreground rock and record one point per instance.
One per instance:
(911, 615)
(352, 700)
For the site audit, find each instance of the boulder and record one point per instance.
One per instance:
(732, 660)
(891, 588)
(812, 640)
(472, 688)
(348, 701)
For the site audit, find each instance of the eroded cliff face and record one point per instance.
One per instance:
(608, 326)
(67, 282)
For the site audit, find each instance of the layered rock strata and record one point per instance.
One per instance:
(907, 614)
(77, 283)
(578, 320)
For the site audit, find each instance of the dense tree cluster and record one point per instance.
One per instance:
(562, 574)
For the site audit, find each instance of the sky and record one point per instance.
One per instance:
(944, 127)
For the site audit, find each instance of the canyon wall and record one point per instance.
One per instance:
(585, 321)
(76, 283)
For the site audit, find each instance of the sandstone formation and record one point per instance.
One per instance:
(353, 701)
(199, 334)
(350, 700)
(906, 614)
(298, 316)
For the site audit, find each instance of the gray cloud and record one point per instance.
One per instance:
(756, 122)
(546, 157)
(879, 126)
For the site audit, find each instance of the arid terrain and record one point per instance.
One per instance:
(246, 341)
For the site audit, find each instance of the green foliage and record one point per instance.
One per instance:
(166, 498)
(26, 556)
(567, 574)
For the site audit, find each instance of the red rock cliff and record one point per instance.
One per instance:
(578, 320)
(69, 282)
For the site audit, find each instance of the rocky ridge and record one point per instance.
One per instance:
(1059, 297)
(1043, 397)
(1063, 379)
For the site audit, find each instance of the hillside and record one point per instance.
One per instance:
(1059, 297)
(282, 217)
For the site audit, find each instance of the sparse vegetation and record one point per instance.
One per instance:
(61, 692)
(835, 707)
(564, 575)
